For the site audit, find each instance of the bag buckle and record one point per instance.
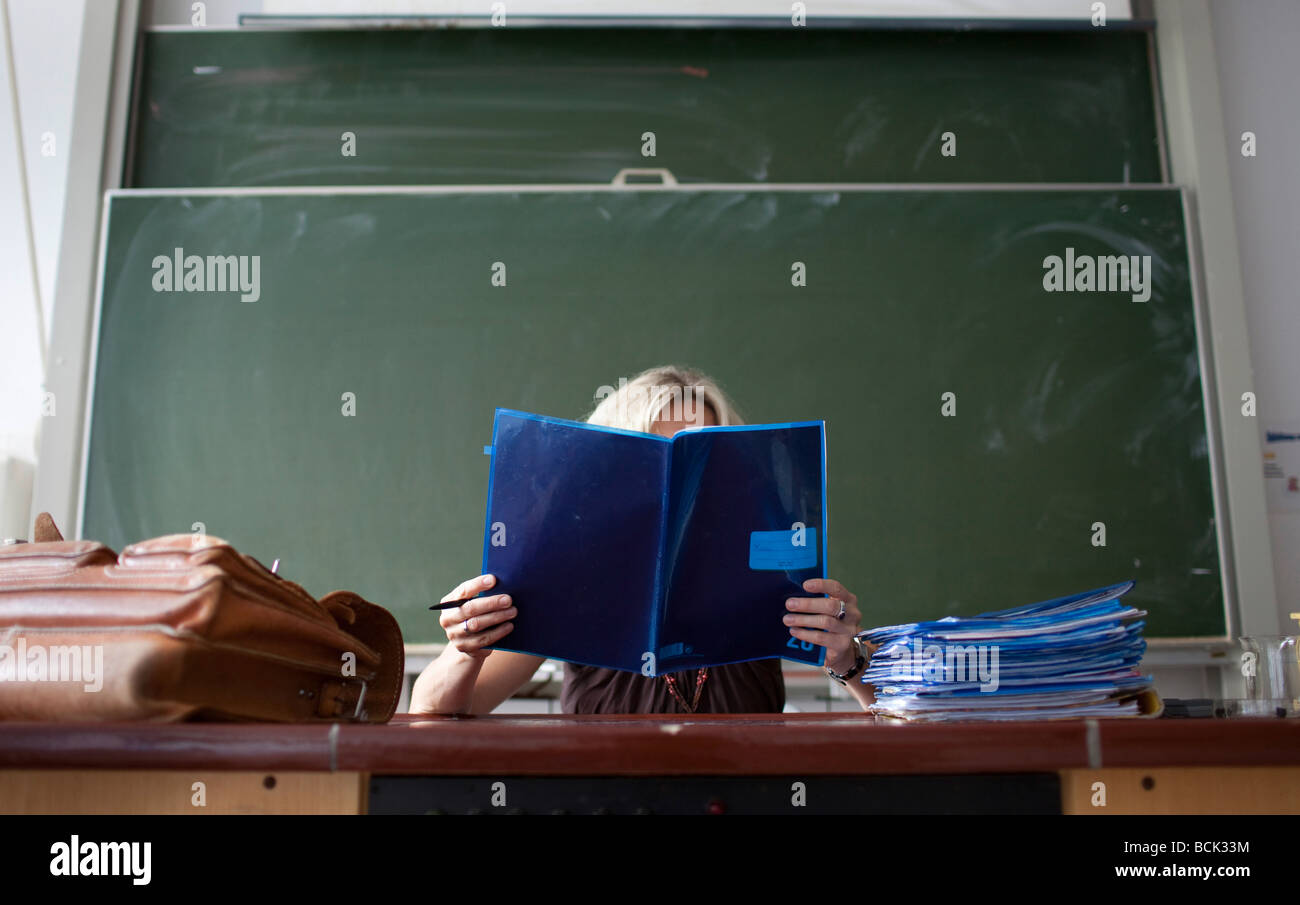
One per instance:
(359, 713)
(333, 695)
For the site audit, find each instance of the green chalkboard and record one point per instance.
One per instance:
(566, 105)
(1072, 408)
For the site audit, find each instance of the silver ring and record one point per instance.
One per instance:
(843, 609)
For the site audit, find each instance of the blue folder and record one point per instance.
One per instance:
(1075, 656)
(636, 552)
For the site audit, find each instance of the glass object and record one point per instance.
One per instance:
(1270, 672)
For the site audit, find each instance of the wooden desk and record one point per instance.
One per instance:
(845, 763)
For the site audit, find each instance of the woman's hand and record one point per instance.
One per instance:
(814, 619)
(462, 679)
(479, 623)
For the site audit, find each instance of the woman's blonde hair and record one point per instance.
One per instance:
(637, 404)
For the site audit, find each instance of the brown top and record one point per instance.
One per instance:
(755, 686)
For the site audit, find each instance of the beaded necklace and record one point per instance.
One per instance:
(700, 676)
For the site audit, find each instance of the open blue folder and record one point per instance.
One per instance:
(635, 552)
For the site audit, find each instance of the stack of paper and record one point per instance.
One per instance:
(1071, 657)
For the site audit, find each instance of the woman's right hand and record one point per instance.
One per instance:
(479, 623)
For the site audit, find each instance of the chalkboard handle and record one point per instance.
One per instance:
(665, 177)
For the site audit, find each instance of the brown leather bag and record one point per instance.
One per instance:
(183, 627)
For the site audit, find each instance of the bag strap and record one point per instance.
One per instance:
(284, 690)
(45, 530)
(375, 627)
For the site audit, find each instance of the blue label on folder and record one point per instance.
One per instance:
(772, 551)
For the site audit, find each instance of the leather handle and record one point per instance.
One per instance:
(46, 531)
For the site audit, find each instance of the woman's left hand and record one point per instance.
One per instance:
(814, 619)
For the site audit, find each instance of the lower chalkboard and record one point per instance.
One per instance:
(1002, 426)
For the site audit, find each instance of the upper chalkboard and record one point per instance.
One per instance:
(337, 421)
(565, 105)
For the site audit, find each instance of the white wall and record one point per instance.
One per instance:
(38, 60)
(1255, 44)
(46, 37)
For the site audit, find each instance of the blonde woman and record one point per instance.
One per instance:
(469, 677)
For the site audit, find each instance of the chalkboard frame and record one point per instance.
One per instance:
(370, 21)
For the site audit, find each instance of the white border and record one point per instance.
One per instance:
(105, 59)
(542, 187)
(1213, 434)
(1199, 158)
(92, 360)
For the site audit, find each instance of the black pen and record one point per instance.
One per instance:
(451, 603)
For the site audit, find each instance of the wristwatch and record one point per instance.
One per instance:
(858, 663)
